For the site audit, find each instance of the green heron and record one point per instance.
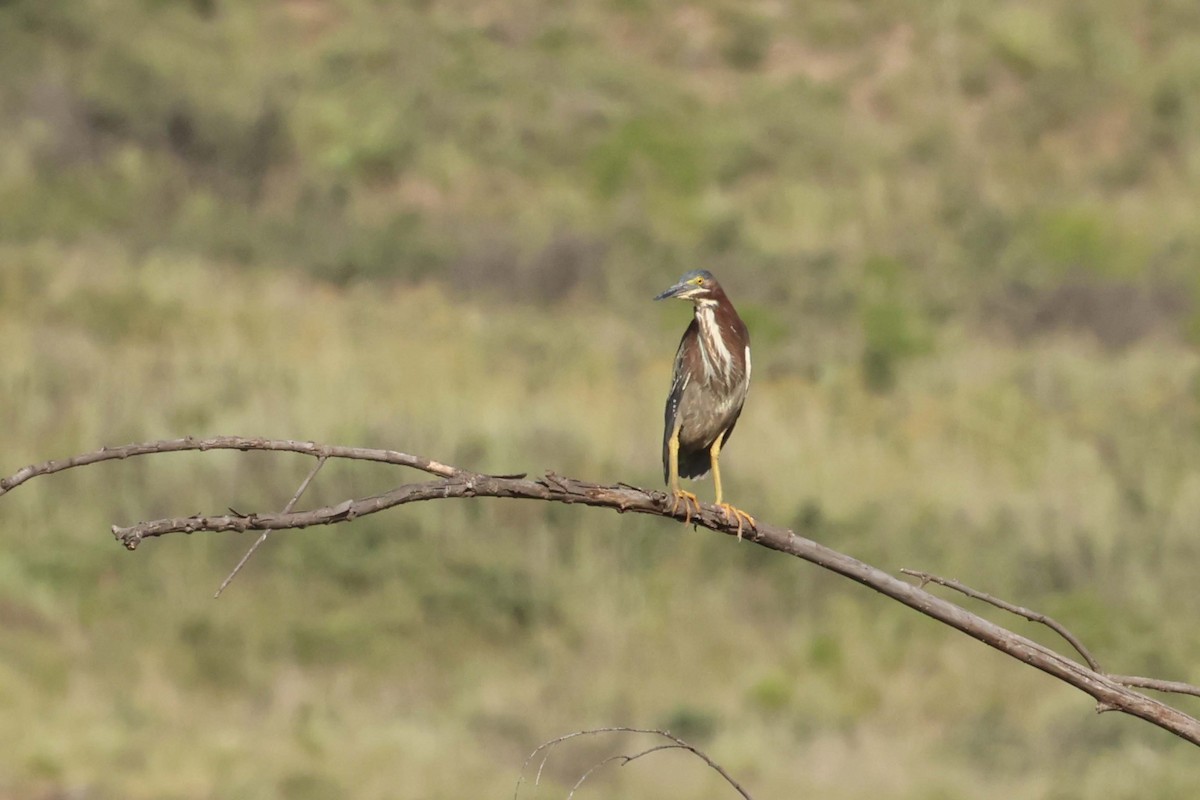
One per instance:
(712, 376)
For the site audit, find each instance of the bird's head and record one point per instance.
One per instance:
(698, 285)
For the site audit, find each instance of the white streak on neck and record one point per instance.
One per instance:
(716, 356)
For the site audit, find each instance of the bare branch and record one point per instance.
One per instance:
(1020, 611)
(290, 505)
(466, 484)
(677, 744)
(453, 482)
(225, 443)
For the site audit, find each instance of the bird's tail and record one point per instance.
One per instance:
(694, 463)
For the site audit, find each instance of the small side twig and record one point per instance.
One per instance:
(1174, 687)
(1020, 611)
(676, 744)
(1132, 681)
(621, 758)
(312, 473)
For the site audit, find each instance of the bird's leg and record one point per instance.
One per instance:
(732, 514)
(688, 499)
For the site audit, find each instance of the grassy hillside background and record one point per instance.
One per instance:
(963, 235)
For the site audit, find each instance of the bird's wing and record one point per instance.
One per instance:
(679, 382)
(738, 412)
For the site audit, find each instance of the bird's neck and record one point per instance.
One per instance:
(714, 352)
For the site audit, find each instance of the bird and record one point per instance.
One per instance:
(708, 388)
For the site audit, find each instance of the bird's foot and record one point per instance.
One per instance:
(737, 515)
(690, 503)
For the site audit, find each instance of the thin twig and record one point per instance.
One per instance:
(1020, 611)
(286, 509)
(677, 744)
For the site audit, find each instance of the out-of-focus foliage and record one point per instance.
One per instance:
(537, 148)
(963, 236)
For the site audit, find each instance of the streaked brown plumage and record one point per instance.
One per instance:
(708, 389)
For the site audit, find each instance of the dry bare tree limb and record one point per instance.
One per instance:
(453, 482)
(242, 443)
(1020, 611)
(676, 744)
(557, 489)
(258, 543)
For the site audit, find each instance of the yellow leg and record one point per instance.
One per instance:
(688, 499)
(732, 514)
(714, 455)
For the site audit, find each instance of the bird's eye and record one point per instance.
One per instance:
(697, 280)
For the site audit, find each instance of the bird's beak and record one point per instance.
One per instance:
(677, 290)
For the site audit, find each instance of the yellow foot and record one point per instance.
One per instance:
(736, 515)
(689, 501)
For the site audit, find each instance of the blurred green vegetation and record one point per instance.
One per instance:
(962, 234)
